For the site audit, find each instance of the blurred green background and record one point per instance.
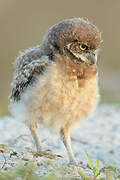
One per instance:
(24, 22)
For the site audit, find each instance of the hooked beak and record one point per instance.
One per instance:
(90, 58)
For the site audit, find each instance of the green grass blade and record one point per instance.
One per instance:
(110, 168)
(84, 177)
(97, 168)
(118, 176)
(90, 162)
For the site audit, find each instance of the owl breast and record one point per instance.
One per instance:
(58, 98)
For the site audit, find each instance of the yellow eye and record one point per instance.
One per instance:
(83, 47)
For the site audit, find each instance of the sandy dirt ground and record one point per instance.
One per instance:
(99, 135)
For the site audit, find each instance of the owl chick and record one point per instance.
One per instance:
(56, 82)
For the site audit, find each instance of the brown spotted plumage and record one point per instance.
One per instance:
(56, 83)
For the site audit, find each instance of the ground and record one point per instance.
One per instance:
(99, 136)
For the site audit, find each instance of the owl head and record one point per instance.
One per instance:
(77, 38)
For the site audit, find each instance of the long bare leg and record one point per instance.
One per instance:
(36, 137)
(65, 135)
(38, 144)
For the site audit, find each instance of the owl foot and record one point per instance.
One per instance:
(46, 154)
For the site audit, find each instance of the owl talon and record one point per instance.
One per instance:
(46, 154)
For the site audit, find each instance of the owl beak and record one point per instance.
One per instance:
(92, 58)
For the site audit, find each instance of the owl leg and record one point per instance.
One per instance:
(36, 138)
(65, 136)
(40, 152)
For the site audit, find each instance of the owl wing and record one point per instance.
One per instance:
(27, 70)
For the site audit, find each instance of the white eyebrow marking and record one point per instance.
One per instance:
(68, 45)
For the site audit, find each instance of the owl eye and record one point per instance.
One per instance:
(83, 47)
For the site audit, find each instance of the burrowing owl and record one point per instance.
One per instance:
(56, 83)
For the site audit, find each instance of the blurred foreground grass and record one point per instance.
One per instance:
(28, 171)
(49, 169)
